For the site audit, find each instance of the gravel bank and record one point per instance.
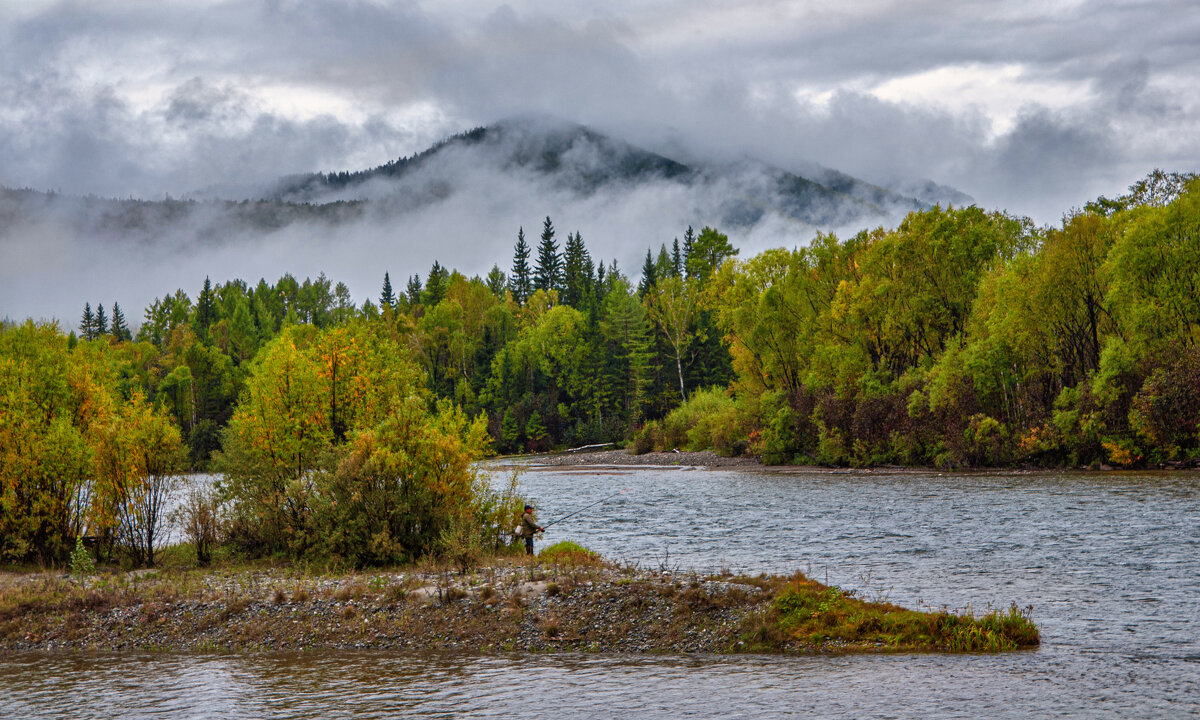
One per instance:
(506, 607)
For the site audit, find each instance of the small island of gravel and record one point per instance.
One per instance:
(566, 599)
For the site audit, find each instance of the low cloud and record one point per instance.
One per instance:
(201, 99)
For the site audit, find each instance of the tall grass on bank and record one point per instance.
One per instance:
(816, 615)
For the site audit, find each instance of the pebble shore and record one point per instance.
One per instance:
(505, 607)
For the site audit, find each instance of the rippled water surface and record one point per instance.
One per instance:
(1110, 563)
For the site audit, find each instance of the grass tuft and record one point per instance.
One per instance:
(818, 615)
(566, 552)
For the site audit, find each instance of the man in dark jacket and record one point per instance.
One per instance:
(529, 528)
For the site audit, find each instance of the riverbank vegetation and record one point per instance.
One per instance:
(567, 599)
(349, 432)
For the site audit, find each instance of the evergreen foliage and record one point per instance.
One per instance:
(521, 279)
(87, 324)
(120, 330)
(387, 297)
(101, 324)
(412, 290)
(548, 274)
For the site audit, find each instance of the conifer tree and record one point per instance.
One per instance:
(101, 325)
(206, 309)
(520, 281)
(413, 290)
(119, 329)
(387, 298)
(87, 324)
(436, 286)
(676, 259)
(649, 275)
(689, 237)
(548, 275)
(578, 271)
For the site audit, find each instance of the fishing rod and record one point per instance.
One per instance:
(585, 507)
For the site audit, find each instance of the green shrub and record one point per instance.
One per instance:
(82, 562)
(566, 552)
(986, 441)
(710, 420)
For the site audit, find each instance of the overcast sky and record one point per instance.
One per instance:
(1034, 107)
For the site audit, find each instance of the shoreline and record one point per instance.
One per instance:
(568, 602)
(621, 458)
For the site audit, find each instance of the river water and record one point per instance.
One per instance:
(1110, 564)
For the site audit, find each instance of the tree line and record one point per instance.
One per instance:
(961, 337)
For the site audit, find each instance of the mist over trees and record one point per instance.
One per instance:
(961, 338)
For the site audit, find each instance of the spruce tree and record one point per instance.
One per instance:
(101, 321)
(87, 324)
(413, 290)
(689, 238)
(520, 282)
(548, 275)
(436, 286)
(387, 298)
(649, 275)
(578, 271)
(119, 329)
(676, 259)
(206, 309)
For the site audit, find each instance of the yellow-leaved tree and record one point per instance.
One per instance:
(334, 450)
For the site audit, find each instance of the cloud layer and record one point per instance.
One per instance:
(1034, 107)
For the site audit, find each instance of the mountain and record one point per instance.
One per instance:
(567, 158)
(459, 203)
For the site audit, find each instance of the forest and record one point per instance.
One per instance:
(961, 338)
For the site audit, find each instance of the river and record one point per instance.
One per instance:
(1109, 562)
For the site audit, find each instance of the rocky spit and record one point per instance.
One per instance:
(508, 606)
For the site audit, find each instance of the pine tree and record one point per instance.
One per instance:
(101, 325)
(548, 275)
(708, 251)
(578, 271)
(413, 290)
(387, 298)
(689, 238)
(206, 309)
(119, 329)
(87, 324)
(676, 259)
(649, 275)
(519, 282)
(436, 286)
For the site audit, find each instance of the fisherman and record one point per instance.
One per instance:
(529, 528)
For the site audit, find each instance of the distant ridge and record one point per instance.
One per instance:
(514, 168)
(572, 157)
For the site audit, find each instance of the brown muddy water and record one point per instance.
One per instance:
(1110, 563)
